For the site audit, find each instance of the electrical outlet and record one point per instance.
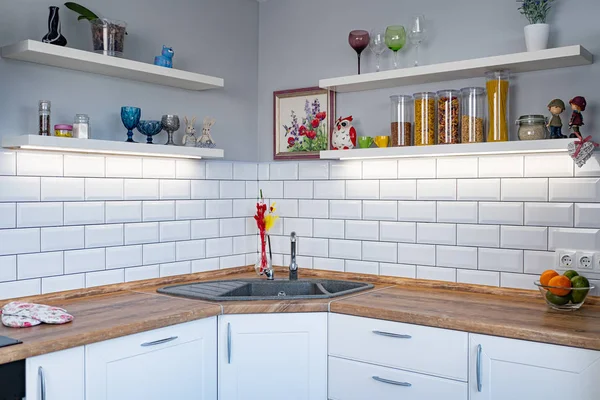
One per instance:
(565, 259)
(585, 260)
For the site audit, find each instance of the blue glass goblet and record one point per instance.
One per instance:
(130, 116)
(149, 128)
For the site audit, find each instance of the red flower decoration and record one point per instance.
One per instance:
(302, 130)
(311, 134)
(321, 116)
(315, 123)
(291, 141)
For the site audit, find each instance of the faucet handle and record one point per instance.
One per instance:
(293, 237)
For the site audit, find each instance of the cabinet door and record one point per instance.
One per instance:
(56, 376)
(177, 362)
(273, 356)
(517, 369)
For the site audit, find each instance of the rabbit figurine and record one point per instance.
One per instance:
(206, 140)
(189, 139)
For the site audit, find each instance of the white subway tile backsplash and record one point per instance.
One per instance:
(416, 168)
(417, 211)
(460, 212)
(361, 267)
(549, 214)
(158, 253)
(302, 227)
(500, 260)
(61, 283)
(146, 232)
(77, 261)
(190, 169)
(87, 213)
(584, 190)
(30, 215)
(140, 189)
(398, 189)
(528, 189)
(456, 256)
(436, 273)
(103, 189)
(405, 232)
(314, 170)
(457, 167)
(158, 211)
(380, 169)
(501, 213)
(232, 190)
(219, 208)
(478, 189)
(298, 190)
(175, 189)
(333, 190)
(487, 278)
(124, 256)
(329, 228)
(478, 235)
(158, 168)
(251, 228)
(101, 278)
(205, 229)
(409, 253)
(548, 165)
(328, 264)
(345, 209)
(346, 170)
(252, 190)
(103, 235)
(309, 246)
(62, 238)
(379, 251)
(245, 171)
(271, 189)
(518, 281)
(19, 188)
(19, 241)
(8, 215)
(62, 189)
(436, 233)
(29, 287)
(286, 208)
(591, 167)
(362, 230)
(283, 171)
(244, 208)
(362, 189)
(123, 211)
(501, 167)
(345, 249)
(313, 208)
(380, 210)
(232, 227)
(574, 238)
(587, 215)
(205, 189)
(39, 164)
(176, 268)
(536, 262)
(436, 189)
(398, 270)
(8, 162)
(211, 264)
(171, 231)
(124, 167)
(190, 250)
(524, 237)
(8, 268)
(232, 261)
(244, 244)
(142, 273)
(39, 265)
(219, 247)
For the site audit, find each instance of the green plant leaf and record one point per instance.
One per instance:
(83, 12)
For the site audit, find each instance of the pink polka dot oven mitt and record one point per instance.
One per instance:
(24, 315)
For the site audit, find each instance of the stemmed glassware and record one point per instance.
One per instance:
(170, 123)
(130, 116)
(417, 34)
(395, 39)
(358, 40)
(377, 46)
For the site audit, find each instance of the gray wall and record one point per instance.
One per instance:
(213, 37)
(304, 41)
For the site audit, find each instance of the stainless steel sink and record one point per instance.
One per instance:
(255, 289)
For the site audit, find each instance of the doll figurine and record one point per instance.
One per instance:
(556, 107)
(578, 105)
(189, 139)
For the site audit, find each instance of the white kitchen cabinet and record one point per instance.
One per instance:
(273, 356)
(56, 376)
(501, 369)
(176, 362)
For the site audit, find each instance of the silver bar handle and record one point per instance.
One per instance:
(161, 341)
(391, 382)
(394, 335)
(228, 343)
(479, 368)
(42, 378)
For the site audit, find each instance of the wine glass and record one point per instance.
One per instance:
(359, 40)
(377, 45)
(170, 123)
(417, 34)
(149, 128)
(395, 39)
(130, 116)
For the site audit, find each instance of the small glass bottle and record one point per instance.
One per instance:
(448, 116)
(44, 118)
(401, 121)
(81, 126)
(497, 86)
(472, 110)
(424, 118)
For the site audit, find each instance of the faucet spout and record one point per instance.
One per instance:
(293, 264)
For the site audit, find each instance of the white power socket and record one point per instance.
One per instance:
(585, 260)
(566, 259)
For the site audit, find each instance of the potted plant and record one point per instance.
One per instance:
(108, 35)
(538, 31)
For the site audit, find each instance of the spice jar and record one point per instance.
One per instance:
(63, 130)
(497, 93)
(44, 117)
(472, 110)
(401, 126)
(424, 103)
(532, 127)
(448, 116)
(81, 126)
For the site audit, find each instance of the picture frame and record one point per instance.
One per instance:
(302, 122)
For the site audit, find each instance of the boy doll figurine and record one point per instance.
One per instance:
(556, 107)
(578, 105)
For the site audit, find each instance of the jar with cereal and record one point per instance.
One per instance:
(448, 116)
(424, 118)
(401, 125)
(472, 110)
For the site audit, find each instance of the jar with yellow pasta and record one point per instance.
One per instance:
(497, 93)
(424, 118)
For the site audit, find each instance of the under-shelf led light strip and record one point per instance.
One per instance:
(116, 152)
(479, 153)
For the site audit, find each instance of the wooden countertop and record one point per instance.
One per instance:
(117, 310)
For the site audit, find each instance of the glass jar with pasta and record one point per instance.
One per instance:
(472, 110)
(448, 116)
(424, 118)
(497, 86)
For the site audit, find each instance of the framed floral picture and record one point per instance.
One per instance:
(303, 119)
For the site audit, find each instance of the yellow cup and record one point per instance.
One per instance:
(382, 141)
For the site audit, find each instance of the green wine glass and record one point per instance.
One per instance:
(395, 39)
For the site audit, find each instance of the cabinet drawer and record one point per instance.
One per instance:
(352, 380)
(413, 347)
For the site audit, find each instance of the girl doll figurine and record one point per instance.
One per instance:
(578, 105)
(556, 107)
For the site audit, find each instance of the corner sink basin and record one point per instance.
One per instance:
(256, 289)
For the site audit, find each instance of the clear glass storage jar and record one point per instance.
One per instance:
(472, 111)
(63, 130)
(497, 86)
(401, 120)
(424, 104)
(532, 127)
(81, 126)
(448, 116)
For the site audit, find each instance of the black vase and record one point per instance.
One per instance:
(54, 36)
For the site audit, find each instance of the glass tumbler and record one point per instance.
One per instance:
(401, 120)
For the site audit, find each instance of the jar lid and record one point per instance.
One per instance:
(473, 89)
(448, 93)
(424, 94)
(532, 119)
(401, 97)
(63, 127)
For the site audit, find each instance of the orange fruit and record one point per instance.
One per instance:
(563, 285)
(547, 275)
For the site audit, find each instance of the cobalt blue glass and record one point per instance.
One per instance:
(130, 116)
(149, 128)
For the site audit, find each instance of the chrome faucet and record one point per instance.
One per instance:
(293, 265)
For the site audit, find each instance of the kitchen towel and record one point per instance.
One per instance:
(23, 315)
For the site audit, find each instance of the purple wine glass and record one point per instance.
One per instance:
(359, 40)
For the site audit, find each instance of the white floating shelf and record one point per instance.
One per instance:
(448, 150)
(561, 57)
(72, 145)
(86, 61)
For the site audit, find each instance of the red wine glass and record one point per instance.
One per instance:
(359, 40)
